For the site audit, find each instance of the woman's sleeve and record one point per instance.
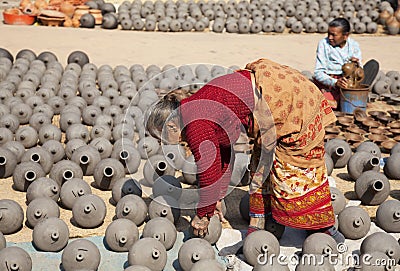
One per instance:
(203, 142)
(321, 66)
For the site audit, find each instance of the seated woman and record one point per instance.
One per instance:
(285, 113)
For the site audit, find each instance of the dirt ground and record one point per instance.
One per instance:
(116, 47)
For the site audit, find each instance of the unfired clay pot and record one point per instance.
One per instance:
(207, 264)
(125, 186)
(87, 158)
(375, 257)
(339, 150)
(8, 162)
(65, 170)
(354, 222)
(137, 268)
(258, 244)
(72, 190)
(167, 185)
(51, 234)
(320, 243)
(155, 167)
(165, 206)
(372, 187)
(133, 208)
(148, 252)
(15, 258)
(40, 209)
(214, 230)
(388, 216)
(107, 172)
(80, 254)
(329, 164)
(371, 147)
(39, 155)
(338, 200)
(360, 162)
(121, 234)
(11, 216)
(25, 173)
(89, 211)
(161, 229)
(43, 187)
(392, 166)
(129, 156)
(320, 262)
(383, 242)
(194, 250)
(3, 242)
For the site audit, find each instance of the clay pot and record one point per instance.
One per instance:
(89, 211)
(388, 216)
(148, 146)
(73, 189)
(372, 188)
(339, 150)
(87, 21)
(155, 167)
(65, 170)
(370, 147)
(121, 234)
(162, 230)
(103, 145)
(148, 252)
(392, 25)
(50, 234)
(107, 172)
(6, 135)
(129, 156)
(338, 200)
(329, 164)
(137, 268)
(167, 185)
(214, 230)
(125, 186)
(110, 21)
(382, 242)
(87, 158)
(189, 171)
(77, 130)
(194, 250)
(165, 206)
(383, 16)
(49, 132)
(67, 8)
(16, 148)
(40, 156)
(98, 17)
(391, 168)
(360, 162)
(25, 173)
(374, 257)
(78, 57)
(23, 112)
(8, 162)
(354, 222)
(133, 208)
(56, 149)
(320, 243)
(43, 187)
(319, 262)
(11, 215)
(80, 254)
(3, 242)
(260, 243)
(175, 155)
(15, 258)
(10, 122)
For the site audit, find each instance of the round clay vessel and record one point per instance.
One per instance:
(72, 190)
(360, 162)
(79, 57)
(329, 164)
(65, 170)
(167, 185)
(87, 157)
(391, 167)
(133, 208)
(56, 149)
(320, 243)
(148, 252)
(25, 173)
(148, 146)
(338, 200)
(371, 147)
(175, 155)
(374, 257)
(89, 211)
(39, 155)
(318, 262)
(12, 216)
(3, 242)
(339, 150)
(194, 250)
(27, 136)
(372, 187)
(15, 258)
(43, 187)
(137, 268)
(382, 242)
(165, 206)
(40, 209)
(80, 254)
(8, 162)
(161, 229)
(121, 234)
(125, 186)
(388, 216)
(50, 234)
(214, 230)
(354, 222)
(207, 264)
(129, 156)
(155, 167)
(259, 243)
(107, 172)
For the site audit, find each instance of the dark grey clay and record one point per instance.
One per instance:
(56, 149)
(148, 252)
(372, 187)
(194, 250)
(165, 206)
(392, 168)
(43, 187)
(15, 147)
(214, 230)
(39, 155)
(125, 186)
(3, 242)
(40, 209)
(354, 222)
(161, 229)
(370, 147)
(258, 243)
(360, 162)
(133, 208)
(155, 167)
(15, 258)
(27, 136)
(320, 243)
(64, 171)
(72, 145)
(207, 264)
(107, 172)
(11, 216)
(89, 211)
(8, 162)
(50, 234)
(339, 150)
(383, 242)
(338, 200)
(388, 216)
(167, 185)
(80, 254)
(374, 257)
(148, 146)
(25, 173)
(72, 190)
(121, 234)
(103, 145)
(87, 158)
(329, 164)
(128, 155)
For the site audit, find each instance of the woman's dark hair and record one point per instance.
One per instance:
(342, 23)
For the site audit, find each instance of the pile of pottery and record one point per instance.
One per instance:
(387, 87)
(390, 19)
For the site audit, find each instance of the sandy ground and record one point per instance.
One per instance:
(117, 47)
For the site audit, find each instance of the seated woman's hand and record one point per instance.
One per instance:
(200, 226)
(341, 82)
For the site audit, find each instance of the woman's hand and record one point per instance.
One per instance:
(200, 226)
(341, 82)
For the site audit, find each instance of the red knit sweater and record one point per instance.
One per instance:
(212, 118)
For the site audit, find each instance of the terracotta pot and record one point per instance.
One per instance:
(67, 8)
(392, 26)
(80, 10)
(383, 16)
